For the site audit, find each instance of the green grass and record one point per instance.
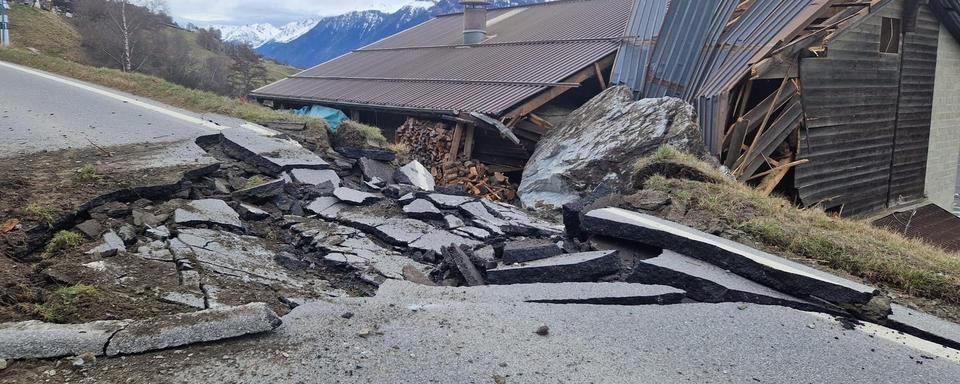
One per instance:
(64, 240)
(72, 293)
(88, 173)
(42, 311)
(41, 213)
(372, 135)
(44, 31)
(852, 246)
(256, 181)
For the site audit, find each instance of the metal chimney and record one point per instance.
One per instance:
(474, 21)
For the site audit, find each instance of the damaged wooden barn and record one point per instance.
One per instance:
(482, 85)
(851, 105)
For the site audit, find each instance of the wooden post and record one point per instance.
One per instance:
(455, 143)
(468, 143)
(603, 82)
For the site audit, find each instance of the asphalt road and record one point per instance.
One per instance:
(43, 112)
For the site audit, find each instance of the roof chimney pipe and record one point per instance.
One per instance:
(474, 21)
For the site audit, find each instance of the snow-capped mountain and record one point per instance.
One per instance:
(336, 35)
(262, 33)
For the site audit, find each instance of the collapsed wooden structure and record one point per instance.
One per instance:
(837, 94)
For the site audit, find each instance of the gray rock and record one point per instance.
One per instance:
(395, 231)
(373, 169)
(453, 222)
(3, 364)
(143, 218)
(316, 177)
(355, 197)
(436, 239)
(417, 175)
(156, 251)
(456, 257)
(128, 234)
(208, 211)
(113, 209)
(761, 267)
(261, 192)
(924, 325)
(250, 212)
(474, 232)
(708, 283)
(221, 186)
(395, 191)
(486, 256)
(91, 228)
(575, 267)
(422, 209)
(112, 245)
(529, 250)
(159, 233)
(39, 340)
(570, 160)
(322, 203)
(185, 299)
(273, 155)
(448, 201)
(189, 328)
(375, 184)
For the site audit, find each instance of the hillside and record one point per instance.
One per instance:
(53, 35)
(337, 35)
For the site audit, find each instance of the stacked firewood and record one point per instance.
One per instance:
(430, 142)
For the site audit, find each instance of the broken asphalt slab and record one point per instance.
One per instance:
(574, 267)
(561, 293)
(709, 283)
(422, 209)
(417, 175)
(924, 325)
(355, 197)
(272, 155)
(39, 340)
(208, 211)
(232, 255)
(190, 328)
(407, 339)
(319, 177)
(761, 267)
(529, 250)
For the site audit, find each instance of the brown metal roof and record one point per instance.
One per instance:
(530, 49)
(931, 223)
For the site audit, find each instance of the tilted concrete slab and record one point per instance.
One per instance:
(709, 283)
(164, 332)
(585, 266)
(272, 155)
(208, 211)
(579, 293)
(39, 340)
(773, 271)
(924, 325)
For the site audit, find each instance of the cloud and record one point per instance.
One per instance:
(275, 11)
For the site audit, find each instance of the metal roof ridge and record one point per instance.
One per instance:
(451, 81)
(526, 42)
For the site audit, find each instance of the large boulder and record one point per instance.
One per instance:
(602, 141)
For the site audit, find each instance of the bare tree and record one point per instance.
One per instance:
(116, 29)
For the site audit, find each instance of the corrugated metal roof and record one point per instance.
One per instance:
(530, 49)
(948, 11)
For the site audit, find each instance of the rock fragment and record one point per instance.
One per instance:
(208, 211)
(39, 340)
(456, 257)
(453, 222)
(189, 328)
(416, 175)
(373, 169)
(422, 209)
(112, 245)
(91, 228)
(261, 192)
(355, 197)
(318, 177)
(159, 233)
(529, 250)
(574, 267)
(250, 212)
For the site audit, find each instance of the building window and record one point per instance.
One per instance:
(890, 35)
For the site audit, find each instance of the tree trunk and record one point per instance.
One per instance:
(125, 31)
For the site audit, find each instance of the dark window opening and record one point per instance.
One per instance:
(890, 35)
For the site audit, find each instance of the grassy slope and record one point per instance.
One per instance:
(854, 247)
(44, 31)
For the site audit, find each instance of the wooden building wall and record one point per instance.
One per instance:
(866, 135)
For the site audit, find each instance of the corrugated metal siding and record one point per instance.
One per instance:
(948, 11)
(536, 44)
(643, 30)
(918, 71)
(850, 100)
(757, 33)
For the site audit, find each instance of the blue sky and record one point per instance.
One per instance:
(202, 12)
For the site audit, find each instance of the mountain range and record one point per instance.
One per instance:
(310, 42)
